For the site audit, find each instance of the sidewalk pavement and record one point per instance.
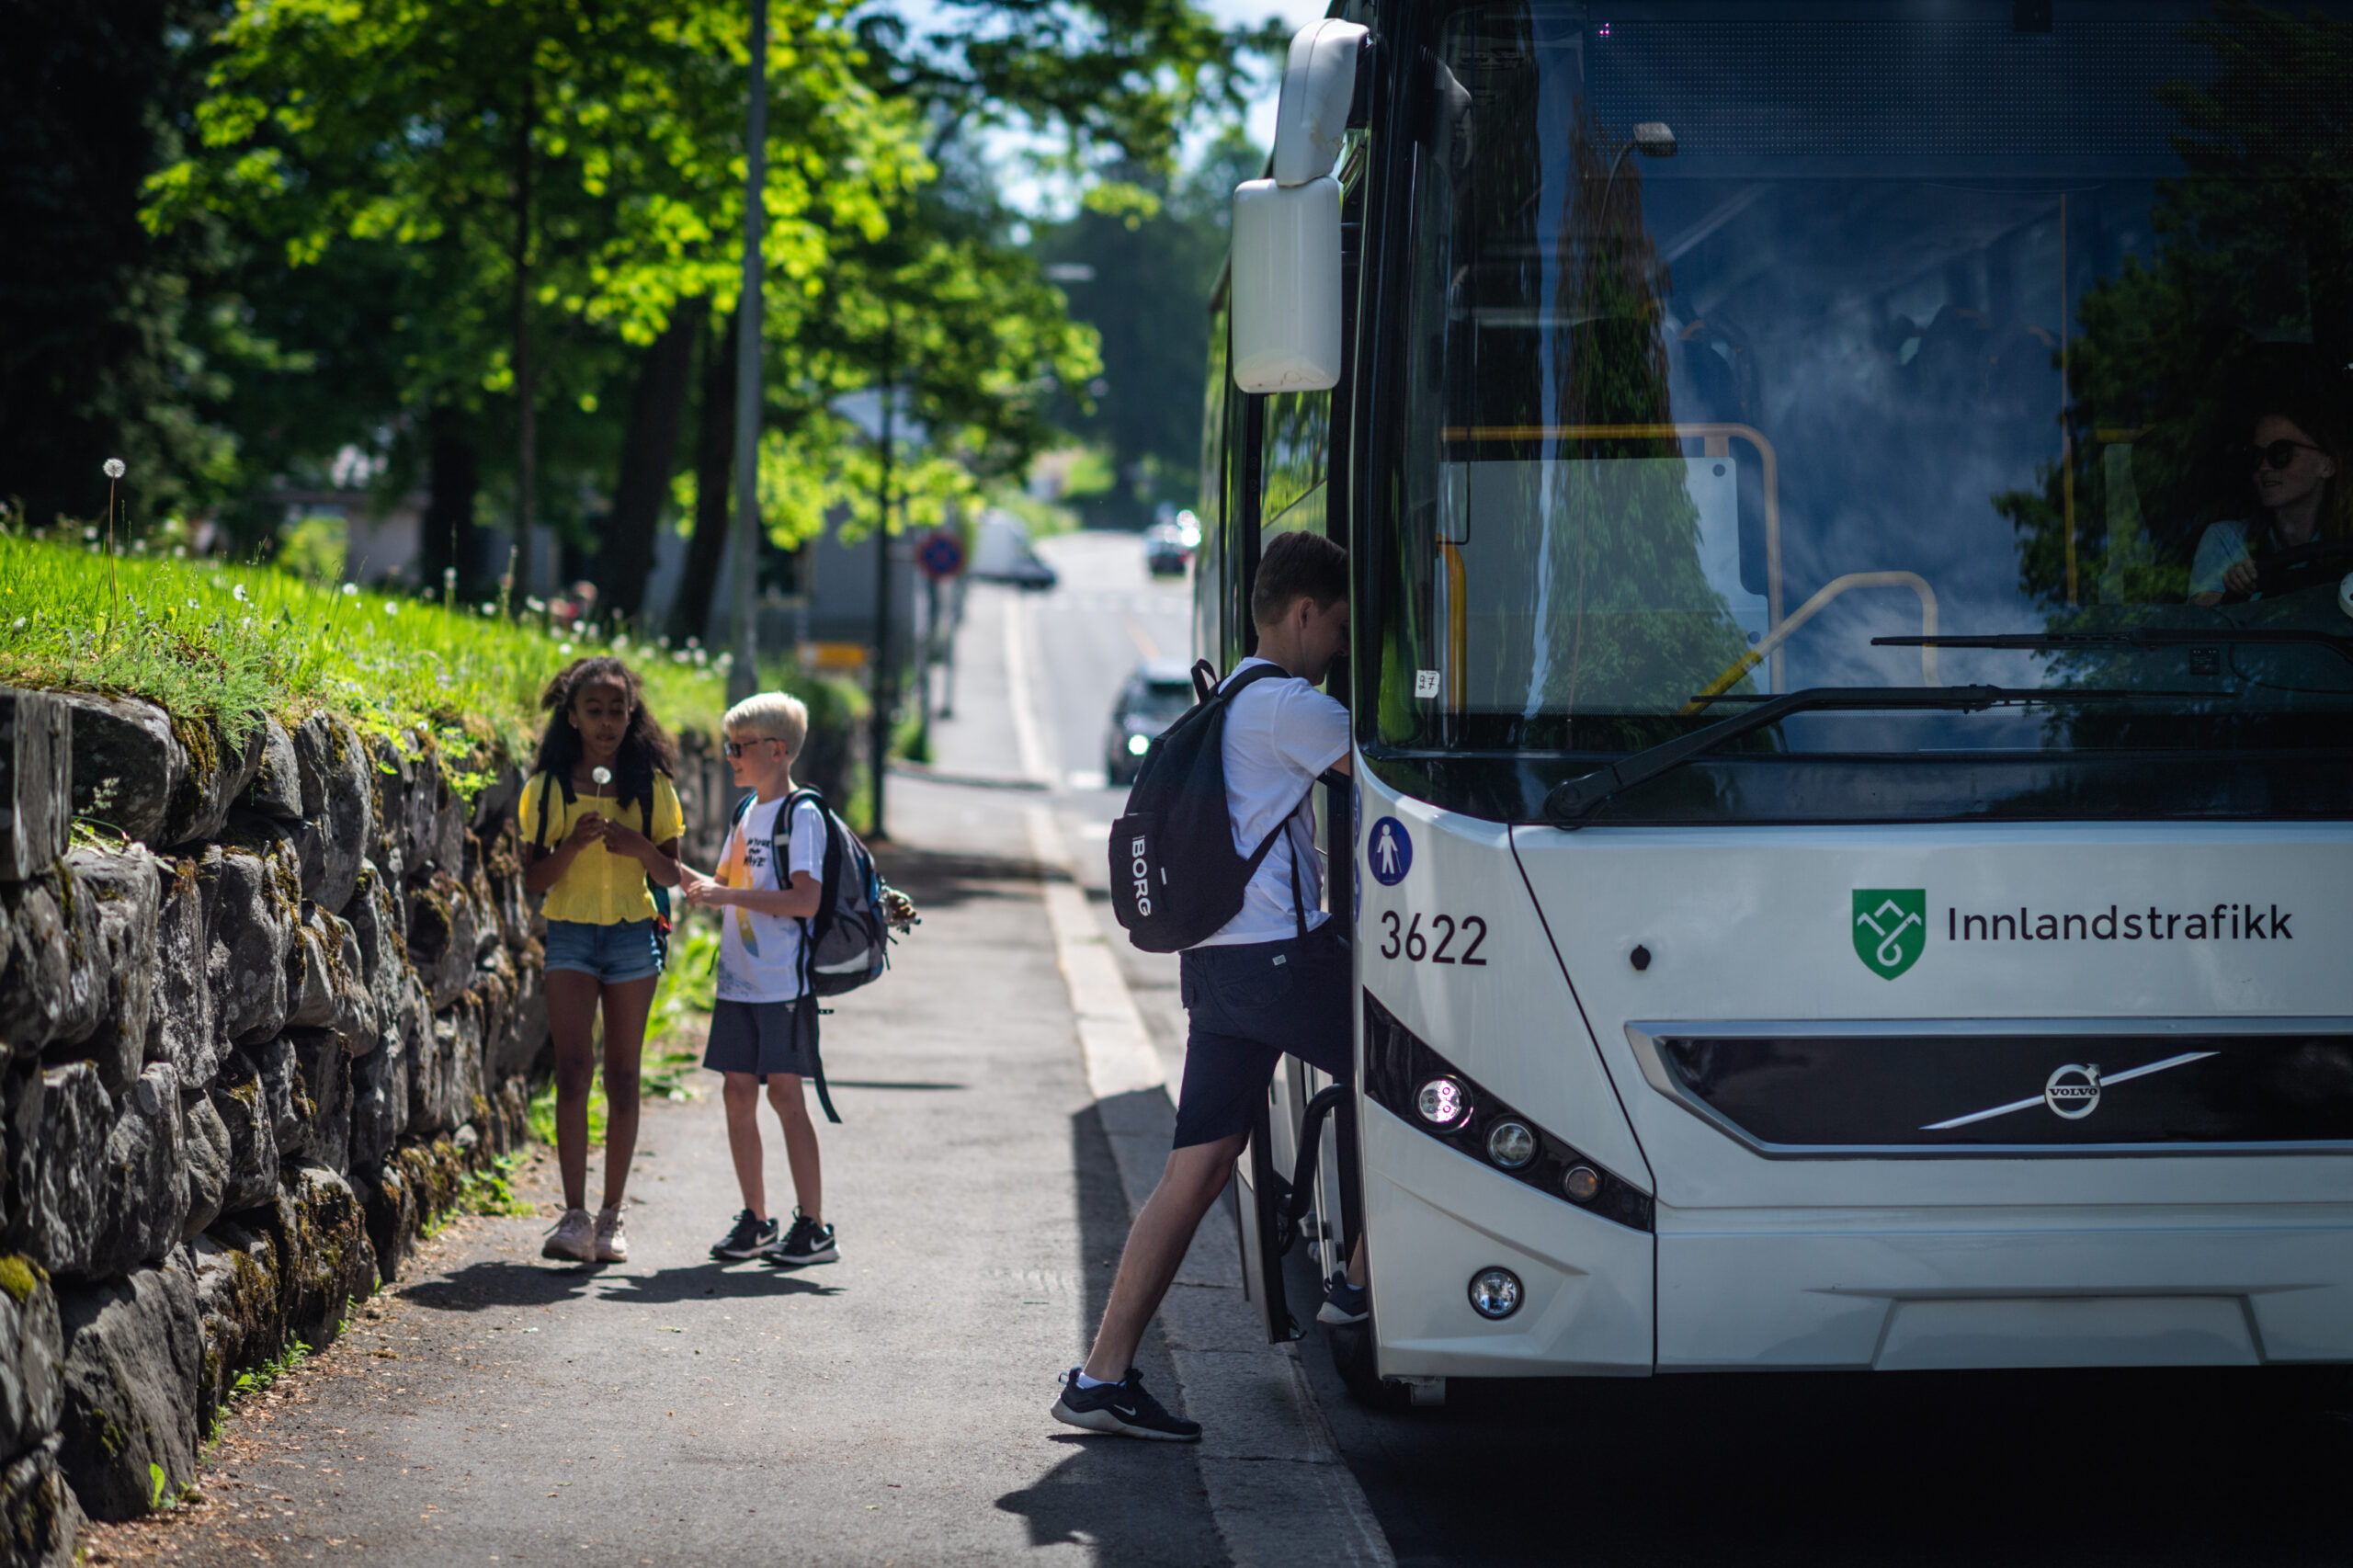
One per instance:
(888, 1409)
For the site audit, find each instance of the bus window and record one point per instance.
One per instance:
(1297, 446)
(1209, 555)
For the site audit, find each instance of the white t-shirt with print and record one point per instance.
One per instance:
(759, 954)
(1280, 733)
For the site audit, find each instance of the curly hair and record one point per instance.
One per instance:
(646, 747)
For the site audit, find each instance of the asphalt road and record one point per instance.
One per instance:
(1970, 1469)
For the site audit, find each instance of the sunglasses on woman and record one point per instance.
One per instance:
(735, 748)
(2276, 454)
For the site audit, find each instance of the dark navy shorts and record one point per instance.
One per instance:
(1247, 1006)
(766, 1037)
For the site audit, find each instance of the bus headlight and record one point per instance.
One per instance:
(1139, 744)
(1425, 1091)
(1443, 1104)
(1495, 1293)
(1512, 1145)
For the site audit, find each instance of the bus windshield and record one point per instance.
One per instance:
(1747, 349)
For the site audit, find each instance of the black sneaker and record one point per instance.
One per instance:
(1123, 1408)
(750, 1238)
(1343, 1304)
(806, 1242)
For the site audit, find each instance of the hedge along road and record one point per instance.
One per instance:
(889, 1408)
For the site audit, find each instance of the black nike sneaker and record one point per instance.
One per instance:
(1123, 1408)
(806, 1242)
(750, 1238)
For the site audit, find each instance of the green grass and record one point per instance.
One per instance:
(492, 1191)
(206, 639)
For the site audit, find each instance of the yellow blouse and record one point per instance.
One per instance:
(600, 887)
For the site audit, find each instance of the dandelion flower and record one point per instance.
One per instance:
(238, 593)
(392, 606)
(351, 590)
(90, 533)
(564, 648)
(114, 468)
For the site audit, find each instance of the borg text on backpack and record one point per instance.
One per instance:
(1176, 875)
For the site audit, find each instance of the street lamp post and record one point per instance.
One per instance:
(744, 677)
(885, 685)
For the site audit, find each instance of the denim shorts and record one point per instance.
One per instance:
(614, 954)
(1247, 1004)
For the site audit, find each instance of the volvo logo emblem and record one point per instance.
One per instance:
(2073, 1091)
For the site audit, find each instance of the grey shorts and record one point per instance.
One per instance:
(766, 1037)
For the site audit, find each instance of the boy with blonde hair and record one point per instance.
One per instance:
(764, 1025)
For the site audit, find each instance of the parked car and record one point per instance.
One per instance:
(1165, 553)
(1001, 553)
(1155, 697)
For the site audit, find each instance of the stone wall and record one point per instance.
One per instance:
(254, 1040)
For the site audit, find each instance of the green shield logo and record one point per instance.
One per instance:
(1891, 928)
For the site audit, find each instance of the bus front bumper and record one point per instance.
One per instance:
(1893, 1288)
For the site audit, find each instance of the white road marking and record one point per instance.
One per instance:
(1032, 751)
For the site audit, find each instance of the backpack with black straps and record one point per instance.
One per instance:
(1176, 875)
(846, 943)
(549, 783)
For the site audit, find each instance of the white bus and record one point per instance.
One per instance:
(1851, 505)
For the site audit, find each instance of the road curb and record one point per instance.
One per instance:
(1278, 1491)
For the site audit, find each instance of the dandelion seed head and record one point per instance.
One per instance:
(351, 590)
(564, 648)
(91, 532)
(392, 606)
(114, 468)
(238, 593)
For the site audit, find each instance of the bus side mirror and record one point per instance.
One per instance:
(1286, 264)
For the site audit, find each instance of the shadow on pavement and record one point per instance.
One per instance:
(943, 879)
(704, 1281)
(499, 1284)
(1134, 1503)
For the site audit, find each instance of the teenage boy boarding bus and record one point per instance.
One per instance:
(1275, 978)
(764, 1027)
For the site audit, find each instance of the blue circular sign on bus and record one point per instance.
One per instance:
(1389, 852)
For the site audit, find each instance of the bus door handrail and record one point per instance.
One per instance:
(1837, 586)
(1716, 438)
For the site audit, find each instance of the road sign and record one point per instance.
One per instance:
(941, 555)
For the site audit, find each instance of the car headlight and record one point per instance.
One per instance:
(1139, 744)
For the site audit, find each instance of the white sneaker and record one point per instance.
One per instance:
(612, 1242)
(571, 1239)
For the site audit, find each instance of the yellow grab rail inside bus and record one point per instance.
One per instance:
(1716, 440)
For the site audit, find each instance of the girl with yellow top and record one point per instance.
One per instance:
(600, 823)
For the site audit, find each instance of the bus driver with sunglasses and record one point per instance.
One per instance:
(2295, 465)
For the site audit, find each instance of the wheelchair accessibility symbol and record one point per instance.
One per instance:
(1389, 852)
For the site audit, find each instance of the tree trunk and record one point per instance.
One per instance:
(714, 458)
(527, 429)
(648, 450)
(451, 537)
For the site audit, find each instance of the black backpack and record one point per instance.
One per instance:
(1176, 878)
(846, 943)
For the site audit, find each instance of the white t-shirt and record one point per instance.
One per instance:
(759, 954)
(1280, 734)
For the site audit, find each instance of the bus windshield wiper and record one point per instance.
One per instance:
(1577, 797)
(2335, 642)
